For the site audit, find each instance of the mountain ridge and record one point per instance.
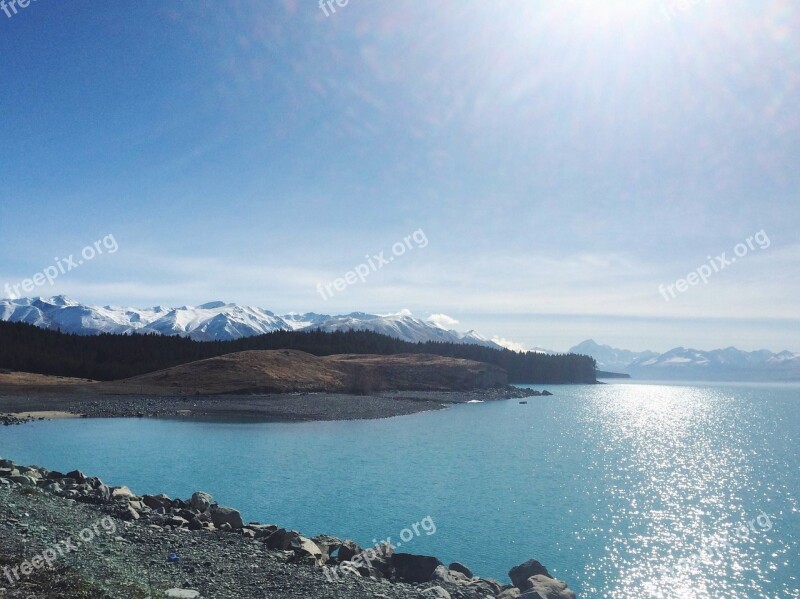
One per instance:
(682, 363)
(219, 321)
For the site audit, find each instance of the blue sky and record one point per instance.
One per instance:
(564, 160)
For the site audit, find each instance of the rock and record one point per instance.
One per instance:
(519, 575)
(177, 521)
(442, 574)
(195, 524)
(25, 481)
(513, 593)
(77, 476)
(414, 568)
(128, 513)
(487, 585)
(280, 540)
(121, 493)
(103, 492)
(328, 544)
(182, 594)
(434, 593)
(307, 550)
(348, 550)
(226, 515)
(548, 588)
(457, 567)
(157, 501)
(201, 502)
(546, 393)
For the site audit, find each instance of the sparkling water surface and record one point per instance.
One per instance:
(624, 490)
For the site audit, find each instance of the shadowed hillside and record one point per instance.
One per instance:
(105, 357)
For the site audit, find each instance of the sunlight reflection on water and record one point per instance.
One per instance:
(682, 483)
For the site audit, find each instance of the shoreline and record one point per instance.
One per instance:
(292, 407)
(121, 545)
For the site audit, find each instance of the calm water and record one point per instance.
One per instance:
(624, 490)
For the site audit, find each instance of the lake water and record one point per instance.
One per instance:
(623, 490)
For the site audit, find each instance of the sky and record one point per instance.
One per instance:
(566, 163)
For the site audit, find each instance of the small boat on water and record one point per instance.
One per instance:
(523, 402)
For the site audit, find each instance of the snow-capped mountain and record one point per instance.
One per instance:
(610, 358)
(217, 321)
(401, 326)
(729, 364)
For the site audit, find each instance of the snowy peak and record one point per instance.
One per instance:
(218, 321)
(681, 363)
(610, 358)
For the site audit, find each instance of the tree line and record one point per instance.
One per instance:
(105, 357)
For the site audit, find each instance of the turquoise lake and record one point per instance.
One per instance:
(623, 490)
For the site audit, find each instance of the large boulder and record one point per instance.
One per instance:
(226, 515)
(281, 539)
(414, 568)
(77, 476)
(201, 502)
(157, 501)
(519, 575)
(121, 493)
(457, 567)
(307, 549)
(548, 588)
(348, 550)
(434, 593)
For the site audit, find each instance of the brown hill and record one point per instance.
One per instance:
(284, 371)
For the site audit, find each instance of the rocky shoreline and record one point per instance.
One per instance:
(71, 535)
(286, 407)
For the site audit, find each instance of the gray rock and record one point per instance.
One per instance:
(414, 568)
(442, 574)
(304, 547)
(25, 481)
(76, 475)
(348, 550)
(519, 575)
(548, 588)
(121, 493)
(457, 567)
(226, 515)
(511, 594)
(201, 502)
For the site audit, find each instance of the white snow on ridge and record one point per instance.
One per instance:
(220, 321)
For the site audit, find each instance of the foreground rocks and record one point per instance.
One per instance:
(156, 546)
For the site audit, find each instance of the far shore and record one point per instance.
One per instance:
(290, 407)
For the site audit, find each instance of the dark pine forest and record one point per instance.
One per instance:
(106, 357)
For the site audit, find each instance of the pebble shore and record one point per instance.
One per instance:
(71, 536)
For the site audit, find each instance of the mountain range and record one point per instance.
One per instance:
(218, 321)
(222, 321)
(730, 364)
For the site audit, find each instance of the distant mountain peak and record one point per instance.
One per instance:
(695, 364)
(218, 321)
